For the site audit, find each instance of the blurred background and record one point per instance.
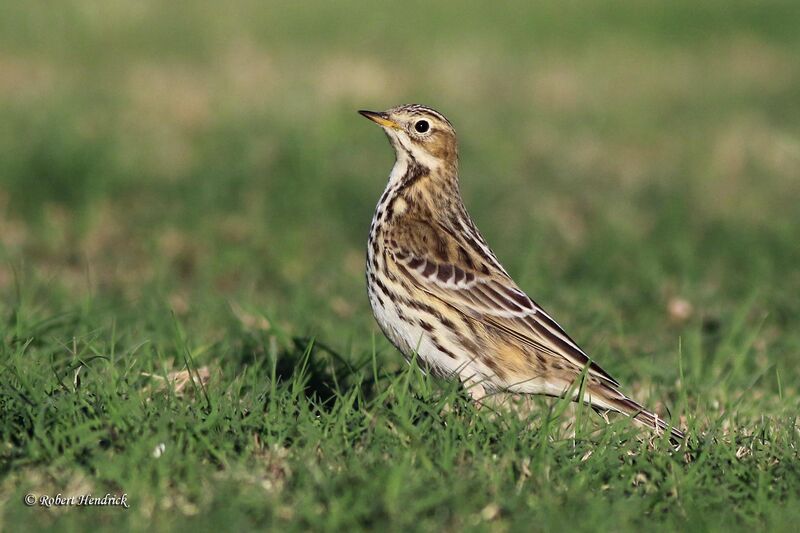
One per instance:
(186, 184)
(635, 165)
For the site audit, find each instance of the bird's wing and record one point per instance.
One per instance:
(467, 278)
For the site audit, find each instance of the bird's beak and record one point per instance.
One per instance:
(382, 119)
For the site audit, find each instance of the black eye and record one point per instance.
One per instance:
(422, 126)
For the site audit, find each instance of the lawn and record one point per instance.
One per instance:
(185, 194)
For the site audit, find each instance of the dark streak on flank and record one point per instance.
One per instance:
(491, 362)
(381, 287)
(446, 322)
(442, 349)
(425, 325)
(468, 344)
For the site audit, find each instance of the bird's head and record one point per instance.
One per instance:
(420, 133)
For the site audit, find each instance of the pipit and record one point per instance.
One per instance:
(438, 291)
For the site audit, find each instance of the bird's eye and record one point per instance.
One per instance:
(422, 126)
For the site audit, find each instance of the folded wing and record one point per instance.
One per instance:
(459, 277)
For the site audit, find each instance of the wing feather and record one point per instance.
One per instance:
(495, 299)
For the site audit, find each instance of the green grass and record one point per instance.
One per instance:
(189, 188)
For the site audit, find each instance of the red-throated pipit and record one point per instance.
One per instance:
(438, 290)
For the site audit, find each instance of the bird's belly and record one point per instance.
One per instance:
(410, 338)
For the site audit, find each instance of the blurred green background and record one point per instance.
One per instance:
(635, 165)
(209, 150)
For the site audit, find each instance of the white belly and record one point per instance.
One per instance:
(410, 338)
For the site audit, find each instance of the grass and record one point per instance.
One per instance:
(186, 191)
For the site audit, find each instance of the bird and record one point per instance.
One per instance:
(440, 295)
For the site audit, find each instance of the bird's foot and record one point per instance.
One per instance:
(477, 392)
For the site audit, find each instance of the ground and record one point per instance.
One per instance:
(185, 192)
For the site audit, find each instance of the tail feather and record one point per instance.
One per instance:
(638, 413)
(650, 420)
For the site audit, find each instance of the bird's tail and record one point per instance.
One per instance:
(616, 401)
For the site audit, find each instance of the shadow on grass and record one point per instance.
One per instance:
(309, 368)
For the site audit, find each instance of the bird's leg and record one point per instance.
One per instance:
(477, 392)
(474, 387)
